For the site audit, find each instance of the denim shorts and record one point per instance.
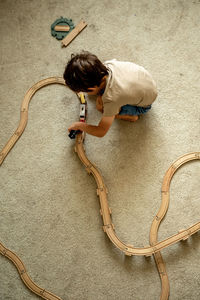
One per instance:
(133, 110)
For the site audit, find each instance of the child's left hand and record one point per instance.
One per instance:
(76, 126)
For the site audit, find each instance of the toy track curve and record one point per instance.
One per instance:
(108, 227)
(24, 275)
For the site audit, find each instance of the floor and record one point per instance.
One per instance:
(49, 207)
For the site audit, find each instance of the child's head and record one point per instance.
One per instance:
(84, 71)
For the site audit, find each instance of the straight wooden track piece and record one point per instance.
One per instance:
(73, 33)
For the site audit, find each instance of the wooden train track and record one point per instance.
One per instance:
(153, 249)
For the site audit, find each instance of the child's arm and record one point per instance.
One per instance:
(99, 104)
(100, 130)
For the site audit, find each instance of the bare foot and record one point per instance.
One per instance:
(127, 118)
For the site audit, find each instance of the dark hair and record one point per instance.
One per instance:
(84, 71)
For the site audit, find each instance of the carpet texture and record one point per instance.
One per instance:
(48, 203)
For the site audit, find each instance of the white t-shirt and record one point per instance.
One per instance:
(127, 83)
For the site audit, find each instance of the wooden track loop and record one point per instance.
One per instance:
(155, 246)
(153, 249)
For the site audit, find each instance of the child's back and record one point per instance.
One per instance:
(127, 83)
(124, 89)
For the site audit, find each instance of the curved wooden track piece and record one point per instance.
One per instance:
(161, 214)
(108, 227)
(11, 142)
(24, 113)
(154, 247)
(24, 275)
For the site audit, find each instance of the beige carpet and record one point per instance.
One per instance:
(48, 203)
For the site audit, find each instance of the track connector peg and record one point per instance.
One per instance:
(186, 237)
(100, 190)
(126, 252)
(107, 226)
(88, 169)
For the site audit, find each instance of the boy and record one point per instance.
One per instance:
(124, 90)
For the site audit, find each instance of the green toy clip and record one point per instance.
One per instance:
(59, 35)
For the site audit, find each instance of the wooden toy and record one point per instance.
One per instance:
(73, 33)
(61, 28)
(73, 133)
(82, 115)
(153, 249)
(24, 275)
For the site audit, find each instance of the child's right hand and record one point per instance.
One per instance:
(76, 126)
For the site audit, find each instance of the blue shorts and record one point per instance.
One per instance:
(133, 110)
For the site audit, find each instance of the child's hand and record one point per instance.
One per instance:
(76, 126)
